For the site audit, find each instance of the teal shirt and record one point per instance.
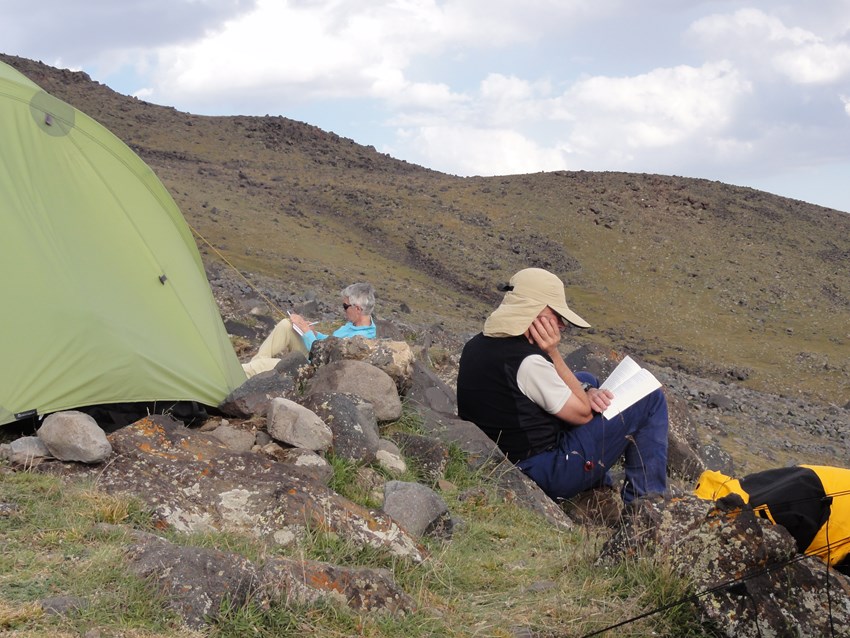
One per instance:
(344, 332)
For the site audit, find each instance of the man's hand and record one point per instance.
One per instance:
(599, 399)
(300, 322)
(545, 332)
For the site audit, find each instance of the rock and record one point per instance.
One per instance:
(720, 402)
(685, 452)
(417, 508)
(389, 457)
(235, 439)
(297, 426)
(253, 397)
(363, 589)
(196, 582)
(63, 605)
(428, 454)
(393, 357)
(771, 590)
(305, 460)
(26, 451)
(360, 379)
(191, 483)
(74, 436)
(428, 390)
(352, 421)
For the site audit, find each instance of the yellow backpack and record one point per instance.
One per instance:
(811, 501)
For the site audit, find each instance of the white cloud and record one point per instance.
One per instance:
(335, 49)
(721, 89)
(477, 151)
(815, 63)
(616, 119)
(755, 38)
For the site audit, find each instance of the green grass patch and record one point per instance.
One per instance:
(504, 568)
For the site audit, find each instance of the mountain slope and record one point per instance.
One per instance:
(721, 281)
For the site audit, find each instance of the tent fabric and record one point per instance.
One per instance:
(105, 298)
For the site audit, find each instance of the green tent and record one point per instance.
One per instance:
(104, 296)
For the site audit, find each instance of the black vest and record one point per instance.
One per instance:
(488, 395)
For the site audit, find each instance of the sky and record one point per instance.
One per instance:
(752, 93)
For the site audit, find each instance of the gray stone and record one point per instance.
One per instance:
(417, 508)
(235, 439)
(306, 460)
(27, 451)
(429, 391)
(252, 398)
(298, 426)
(352, 421)
(389, 457)
(427, 454)
(360, 379)
(74, 436)
(64, 605)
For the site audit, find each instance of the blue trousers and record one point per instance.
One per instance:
(585, 453)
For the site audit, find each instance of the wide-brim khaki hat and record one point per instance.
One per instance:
(530, 291)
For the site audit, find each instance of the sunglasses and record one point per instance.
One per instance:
(346, 306)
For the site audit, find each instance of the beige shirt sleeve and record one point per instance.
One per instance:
(539, 381)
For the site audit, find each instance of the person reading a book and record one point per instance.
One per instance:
(514, 385)
(296, 334)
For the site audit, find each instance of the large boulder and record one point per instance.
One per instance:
(295, 425)
(352, 421)
(360, 379)
(393, 357)
(746, 575)
(74, 436)
(193, 483)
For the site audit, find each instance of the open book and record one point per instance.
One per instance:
(629, 383)
(296, 328)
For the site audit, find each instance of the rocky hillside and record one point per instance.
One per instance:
(737, 290)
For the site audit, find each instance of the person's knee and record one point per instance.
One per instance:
(586, 377)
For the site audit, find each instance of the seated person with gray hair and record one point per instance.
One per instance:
(296, 334)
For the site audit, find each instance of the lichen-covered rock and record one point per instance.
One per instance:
(195, 581)
(393, 357)
(360, 379)
(192, 483)
(363, 589)
(352, 421)
(745, 571)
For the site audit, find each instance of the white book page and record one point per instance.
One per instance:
(625, 369)
(630, 389)
(294, 327)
